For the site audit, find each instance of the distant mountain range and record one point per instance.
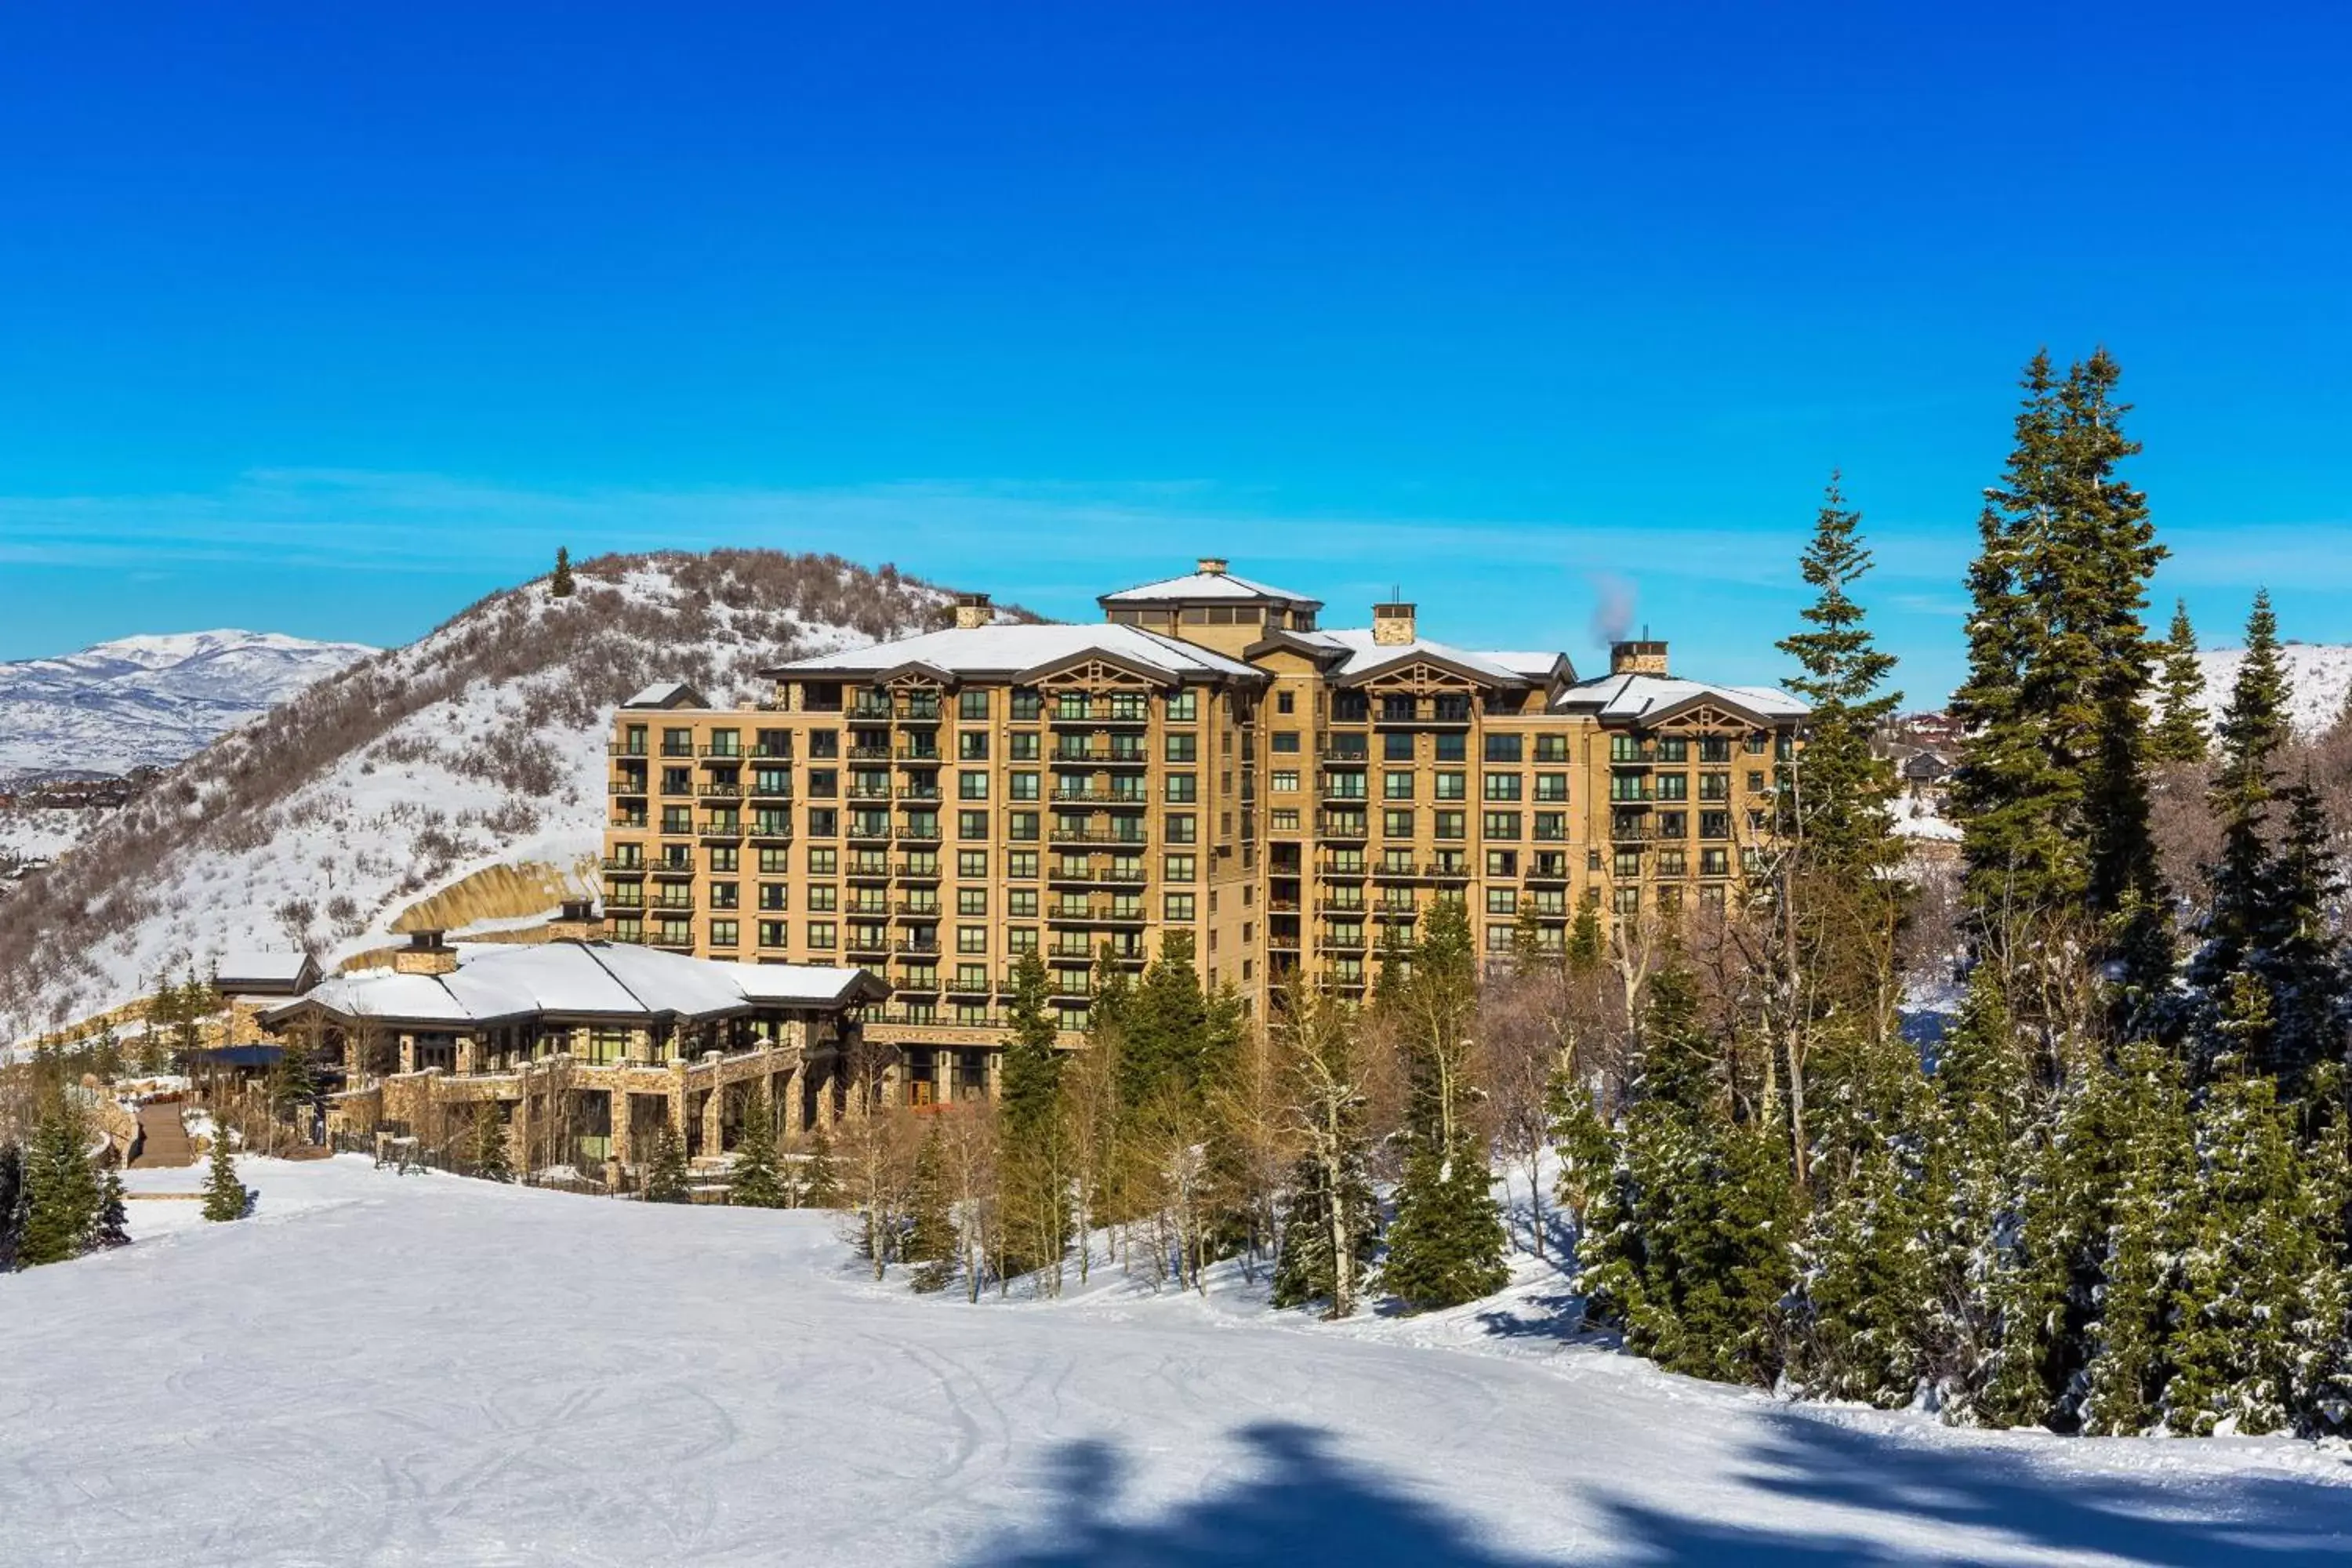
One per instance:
(2318, 677)
(150, 700)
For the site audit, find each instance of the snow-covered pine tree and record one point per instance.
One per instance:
(2242, 1331)
(2131, 1359)
(2180, 733)
(1859, 1315)
(560, 585)
(1585, 1147)
(1447, 1243)
(487, 1147)
(225, 1196)
(1838, 807)
(111, 1225)
(754, 1181)
(1690, 1238)
(1032, 1160)
(62, 1197)
(2298, 948)
(665, 1173)
(820, 1186)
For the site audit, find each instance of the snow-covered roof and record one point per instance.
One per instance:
(1634, 698)
(254, 968)
(1210, 585)
(667, 694)
(1364, 656)
(497, 981)
(1013, 650)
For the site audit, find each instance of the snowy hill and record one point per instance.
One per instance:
(150, 701)
(2320, 674)
(480, 745)
(426, 1387)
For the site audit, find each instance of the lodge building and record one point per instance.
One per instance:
(1207, 759)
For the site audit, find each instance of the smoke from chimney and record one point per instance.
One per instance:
(1612, 608)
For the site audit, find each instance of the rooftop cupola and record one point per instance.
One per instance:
(1644, 657)
(1392, 626)
(1211, 566)
(974, 611)
(577, 921)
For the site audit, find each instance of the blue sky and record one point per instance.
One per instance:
(329, 319)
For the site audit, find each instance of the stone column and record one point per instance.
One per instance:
(795, 1103)
(468, 1055)
(714, 1115)
(408, 1053)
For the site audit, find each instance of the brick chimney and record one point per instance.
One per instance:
(1642, 658)
(577, 921)
(1211, 566)
(425, 953)
(1392, 626)
(974, 611)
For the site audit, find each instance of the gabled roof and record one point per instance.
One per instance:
(247, 970)
(1205, 586)
(1648, 698)
(1006, 651)
(580, 979)
(667, 694)
(1351, 655)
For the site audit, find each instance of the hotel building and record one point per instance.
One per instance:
(1207, 759)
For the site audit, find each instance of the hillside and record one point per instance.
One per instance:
(481, 744)
(150, 701)
(2320, 673)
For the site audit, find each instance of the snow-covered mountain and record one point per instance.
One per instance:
(482, 745)
(2319, 673)
(150, 700)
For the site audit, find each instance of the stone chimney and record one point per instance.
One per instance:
(577, 921)
(974, 611)
(425, 953)
(1392, 626)
(1642, 658)
(1212, 566)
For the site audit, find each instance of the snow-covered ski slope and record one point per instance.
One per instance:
(425, 1370)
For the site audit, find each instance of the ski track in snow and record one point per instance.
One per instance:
(380, 1369)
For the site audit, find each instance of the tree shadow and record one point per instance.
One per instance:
(1299, 1505)
(1951, 1505)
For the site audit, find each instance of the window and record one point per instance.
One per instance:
(677, 742)
(1022, 786)
(1714, 824)
(775, 896)
(677, 819)
(1756, 785)
(1451, 786)
(1183, 828)
(1715, 862)
(1755, 743)
(1021, 827)
(1021, 865)
(1282, 702)
(1285, 781)
(1673, 748)
(724, 933)
(726, 860)
(1287, 743)
(971, 784)
(1551, 748)
(824, 742)
(1502, 786)
(971, 705)
(1027, 705)
(726, 895)
(1021, 903)
(1183, 787)
(821, 935)
(1502, 901)
(1626, 900)
(1283, 819)
(1669, 786)
(1184, 748)
(1673, 863)
(1551, 786)
(772, 933)
(971, 939)
(1396, 784)
(972, 901)
(1178, 869)
(972, 746)
(1501, 825)
(823, 862)
(1551, 826)
(971, 825)
(1449, 824)
(1625, 864)
(1176, 909)
(1714, 786)
(1714, 748)
(1020, 940)
(1183, 707)
(776, 862)
(1396, 748)
(1502, 748)
(1024, 746)
(1397, 823)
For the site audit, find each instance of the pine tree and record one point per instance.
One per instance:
(665, 1173)
(109, 1224)
(12, 1203)
(2298, 952)
(1447, 1243)
(488, 1151)
(2179, 734)
(1859, 1319)
(2243, 1330)
(931, 1244)
(1308, 1267)
(293, 1080)
(62, 1196)
(1690, 1238)
(559, 586)
(1035, 1173)
(1331, 1218)
(753, 1182)
(226, 1197)
(2130, 1338)
(1585, 1147)
(821, 1174)
(1839, 808)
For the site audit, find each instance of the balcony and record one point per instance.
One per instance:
(629, 821)
(1446, 871)
(922, 870)
(919, 792)
(721, 827)
(671, 868)
(1341, 907)
(874, 710)
(912, 834)
(867, 792)
(1099, 715)
(630, 786)
(670, 906)
(1102, 756)
(1343, 827)
(867, 832)
(1327, 941)
(868, 869)
(866, 946)
(916, 947)
(621, 868)
(617, 898)
(771, 829)
(721, 792)
(918, 908)
(1106, 876)
(620, 749)
(1093, 836)
(1422, 712)
(1341, 871)
(868, 753)
(1131, 799)
(921, 756)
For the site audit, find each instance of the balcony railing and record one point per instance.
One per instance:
(620, 867)
(721, 792)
